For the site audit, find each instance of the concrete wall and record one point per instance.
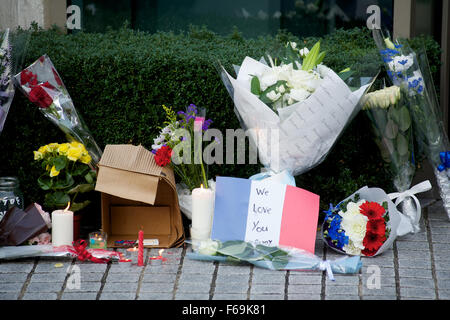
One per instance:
(14, 13)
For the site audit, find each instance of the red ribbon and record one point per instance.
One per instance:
(83, 254)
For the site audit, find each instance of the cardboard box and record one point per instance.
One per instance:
(136, 193)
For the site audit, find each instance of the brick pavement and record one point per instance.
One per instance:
(417, 267)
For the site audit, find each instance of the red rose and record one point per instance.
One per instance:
(39, 96)
(373, 241)
(372, 210)
(57, 78)
(377, 226)
(28, 77)
(163, 156)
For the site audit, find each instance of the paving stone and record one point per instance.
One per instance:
(156, 287)
(421, 236)
(230, 269)
(383, 291)
(300, 296)
(233, 278)
(193, 287)
(9, 295)
(40, 296)
(385, 280)
(444, 294)
(230, 296)
(442, 265)
(304, 288)
(231, 287)
(154, 296)
(118, 296)
(267, 289)
(342, 297)
(416, 255)
(124, 268)
(417, 293)
(163, 277)
(86, 267)
(343, 280)
(91, 276)
(415, 273)
(44, 287)
(48, 277)
(441, 238)
(170, 268)
(341, 290)
(191, 296)
(266, 297)
(10, 267)
(10, 287)
(277, 278)
(416, 283)
(380, 297)
(79, 295)
(443, 275)
(84, 287)
(120, 287)
(439, 230)
(416, 245)
(414, 263)
(13, 277)
(49, 267)
(201, 278)
(296, 278)
(122, 277)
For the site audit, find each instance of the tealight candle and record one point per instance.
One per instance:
(202, 213)
(98, 240)
(62, 227)
(156, 261)
(132, 254)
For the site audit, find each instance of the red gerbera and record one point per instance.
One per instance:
(372, 210)
(163, 155)
(377, 226)
(368, 253)
(39, 96)
(373, 241)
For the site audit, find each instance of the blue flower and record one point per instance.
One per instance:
(420, 89)
(403, 62)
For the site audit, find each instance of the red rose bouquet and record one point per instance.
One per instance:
(43, 86)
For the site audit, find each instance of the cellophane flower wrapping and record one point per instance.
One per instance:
(42, 85)
(297, 137)
(393, 133)
(368, 221)
(30, 251)
(273, 258)
(410, 71)
(12, 49)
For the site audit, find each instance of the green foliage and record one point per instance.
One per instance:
(120, 79)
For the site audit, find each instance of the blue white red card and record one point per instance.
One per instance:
(265, 212)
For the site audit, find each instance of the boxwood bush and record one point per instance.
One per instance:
(119, 80)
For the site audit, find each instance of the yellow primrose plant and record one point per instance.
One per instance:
(67, 173)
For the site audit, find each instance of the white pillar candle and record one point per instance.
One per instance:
(202, 213)
(62, 227)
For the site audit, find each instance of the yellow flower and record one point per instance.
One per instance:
(63, 148)
(38, 155)
(74, 153)
(54, 172)
(86, 159)
(76, 144)
(42, 149)
(52, 147)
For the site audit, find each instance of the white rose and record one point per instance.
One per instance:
(281, 89)
(351, 249)
(208, 247)
(299, 94)
(354, 226)
(267, 79)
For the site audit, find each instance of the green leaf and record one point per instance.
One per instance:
(78, 206)
(391, 130)
(89, 177)
(45, 182)
(404, 119)
(60, 163)
(64, 183)
(80, 169)
(402, 145)
(255, 86)
(311, 57)
(56, 199)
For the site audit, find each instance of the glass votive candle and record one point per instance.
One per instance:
(98, 240)
(132, 254)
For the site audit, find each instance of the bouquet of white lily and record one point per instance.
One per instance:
(294, 109)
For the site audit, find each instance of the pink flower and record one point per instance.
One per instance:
(45, 215)
(42, 239)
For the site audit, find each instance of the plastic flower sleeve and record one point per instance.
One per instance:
(42, 85)
(12, 49)
(411, 72)
(392, 127)
(397, 224)
(273, 258)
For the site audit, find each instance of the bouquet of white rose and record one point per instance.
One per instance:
(294, 106)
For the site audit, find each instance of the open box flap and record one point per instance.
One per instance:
(130, 172)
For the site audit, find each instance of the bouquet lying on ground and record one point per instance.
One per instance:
(273, 258)
(179, 145)
(368, 222)
(392, 127)
(294, 108)
(41, 83)
(66, 174)
(412, 74)
(11, 56)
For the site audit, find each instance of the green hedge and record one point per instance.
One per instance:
(119, 80)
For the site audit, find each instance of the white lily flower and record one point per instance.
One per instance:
(304, 52)
(272, 95)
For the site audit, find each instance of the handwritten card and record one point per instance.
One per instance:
(265, 212)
